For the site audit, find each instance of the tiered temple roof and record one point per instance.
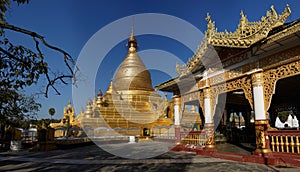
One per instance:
(226, 44)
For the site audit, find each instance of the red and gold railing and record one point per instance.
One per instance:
(285, 141)
(193, 138)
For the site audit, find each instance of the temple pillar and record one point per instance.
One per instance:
(177, 104)
(261, 121)
(209, 123)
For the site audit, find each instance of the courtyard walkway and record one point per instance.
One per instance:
(93, 158)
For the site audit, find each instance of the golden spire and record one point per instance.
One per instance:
(109, 89)
(132, 43)
(100, 94)
(132, 28)
(69, 103)
(132, 74)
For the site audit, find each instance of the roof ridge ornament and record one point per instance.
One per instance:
(245, 35)
(247, 32)
(210, 26)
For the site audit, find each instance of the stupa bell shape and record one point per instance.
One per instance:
(130, 106)
(132, 73)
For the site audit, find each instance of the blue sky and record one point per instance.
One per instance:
(69, 24)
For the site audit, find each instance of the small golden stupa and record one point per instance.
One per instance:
(130, 106)
(68, 120)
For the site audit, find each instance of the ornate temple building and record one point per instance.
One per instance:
(241, 82)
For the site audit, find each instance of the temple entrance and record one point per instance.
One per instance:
(192, 124)
(192, 117)
(234, 123)
(284, 110)
(146, 132)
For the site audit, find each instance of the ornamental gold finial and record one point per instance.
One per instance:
(243, 17)
(242, 13)
(132, 43)
(132, 28)
(100, 94)
(208, 17)
(287, 9)
(109, 89)
(210, 26)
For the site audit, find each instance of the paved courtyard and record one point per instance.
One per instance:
(93, 158)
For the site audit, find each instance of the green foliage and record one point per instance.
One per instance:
(21, 67)
(16, 107)
(5, 4)
(51, 111)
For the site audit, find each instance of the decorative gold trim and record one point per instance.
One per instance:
(273, 75)
(194, 60)
(288, 31)
(210, 146)
(177, 100)
(260, 137)
(257, 79)
(263, 150)
(279, 59)
(241, 83)
(189, 97)
(209, 125)
(167, 84)
(247, 32)
(245, 35)
(207, 93)
(203, 83)
(210, 135)
(261, 122)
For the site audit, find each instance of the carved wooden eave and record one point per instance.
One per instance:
(287, 30)
(247, 34)
(178, 85)
(168, 85)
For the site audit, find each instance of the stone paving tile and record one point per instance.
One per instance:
(92, 158)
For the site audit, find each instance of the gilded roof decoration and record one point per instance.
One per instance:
(247, 32)
(245, 35)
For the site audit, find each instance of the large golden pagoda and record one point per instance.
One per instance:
(130, 106)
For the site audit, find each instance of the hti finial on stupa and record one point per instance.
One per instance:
(69, 103)
(100, 94)
(132, 43)
(109, 89)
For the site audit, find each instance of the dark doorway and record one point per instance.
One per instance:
(234, 121)
(146, 132)
(285, 99)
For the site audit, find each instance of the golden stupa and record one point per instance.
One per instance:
(68, 120)
(130, 106)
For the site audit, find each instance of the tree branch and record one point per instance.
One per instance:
(67, 57)
(51, 83)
